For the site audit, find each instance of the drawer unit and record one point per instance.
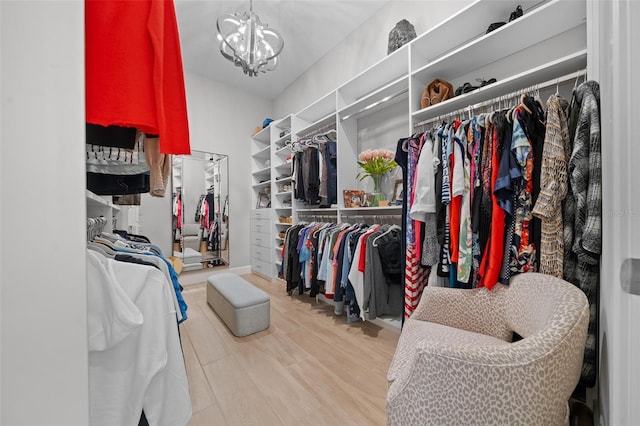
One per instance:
(263, 268)
(261, 239)
(261, 226)
(261, 253)
(261, 214)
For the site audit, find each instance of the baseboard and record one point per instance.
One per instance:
(241, 270)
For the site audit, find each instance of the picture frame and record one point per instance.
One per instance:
(353, 198)
(264, 200)
(398, 195)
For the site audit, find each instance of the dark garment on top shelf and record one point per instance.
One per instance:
(113, 136)
(104, 184)
(330, 160)
(313, 181)
(299, 193)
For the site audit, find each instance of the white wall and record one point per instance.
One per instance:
(613, 61)
(155, 220)
(361, 49)
(44, 355)
(221, 120)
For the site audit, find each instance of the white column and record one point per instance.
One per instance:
(43, 373)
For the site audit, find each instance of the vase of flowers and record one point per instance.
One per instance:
(375, 163)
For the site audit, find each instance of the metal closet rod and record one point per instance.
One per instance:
(374, 217)
(353, 217)
(318, 216)
(534, 87)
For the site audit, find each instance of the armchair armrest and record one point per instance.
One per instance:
(528, 382)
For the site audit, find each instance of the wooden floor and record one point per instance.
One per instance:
(308, 368)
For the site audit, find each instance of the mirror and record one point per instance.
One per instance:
(200, 225)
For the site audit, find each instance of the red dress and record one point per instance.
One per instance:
(134, 75)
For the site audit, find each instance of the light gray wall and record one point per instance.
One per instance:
(43, 295)
(221, 120)
(361, 49)
(155, 220)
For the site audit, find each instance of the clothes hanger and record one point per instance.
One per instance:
(391, 229)
(102, 249)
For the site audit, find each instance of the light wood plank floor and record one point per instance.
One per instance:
(308, 368)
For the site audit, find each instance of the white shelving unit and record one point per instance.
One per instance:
(260, 217)
(101, 206)
(281, 137)
(382, 104)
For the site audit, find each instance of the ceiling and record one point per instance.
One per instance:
(310, 28)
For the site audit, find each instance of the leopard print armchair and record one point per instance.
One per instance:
(456, 363)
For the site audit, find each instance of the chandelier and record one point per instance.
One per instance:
(248, 43)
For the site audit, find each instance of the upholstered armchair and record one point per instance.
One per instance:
(456, 363)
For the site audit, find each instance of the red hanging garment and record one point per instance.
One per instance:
(134, 75)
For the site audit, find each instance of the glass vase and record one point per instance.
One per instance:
(378, 195)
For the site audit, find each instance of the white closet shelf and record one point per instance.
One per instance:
(281, 141)
(284, 150)
(473, 19)
(283, 209)
(395, 91)
(94, 200)
(282, 123)
(558, 16)
(266, 172)
(283, 180)
(262, 153)
(284, 168)
(548, 71)
(263, 135)
(387, 70)
(283, 194)
(283, 224)
(265, 184)
(323, 122)
(321, 108)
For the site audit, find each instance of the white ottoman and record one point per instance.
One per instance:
(243, 307)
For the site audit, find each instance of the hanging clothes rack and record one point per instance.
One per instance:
(317, 217)
(95, 226)
(500, 102)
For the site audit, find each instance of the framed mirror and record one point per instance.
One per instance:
(200, 210)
